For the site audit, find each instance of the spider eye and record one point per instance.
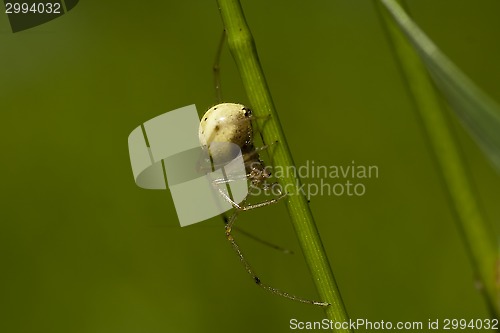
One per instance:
(248, 112)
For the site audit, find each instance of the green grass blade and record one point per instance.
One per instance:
(479, 114)
(417, 55)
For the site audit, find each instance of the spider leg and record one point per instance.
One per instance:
(262, 241)
(216, 69)
(250, 206)
(251, 272)
(254, 153)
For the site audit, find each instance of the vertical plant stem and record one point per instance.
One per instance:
(243, 50)
(476, 233)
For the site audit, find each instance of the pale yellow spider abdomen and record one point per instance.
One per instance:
(226, 123)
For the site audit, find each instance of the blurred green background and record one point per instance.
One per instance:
(83, 249)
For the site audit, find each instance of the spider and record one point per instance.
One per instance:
(232, 123)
